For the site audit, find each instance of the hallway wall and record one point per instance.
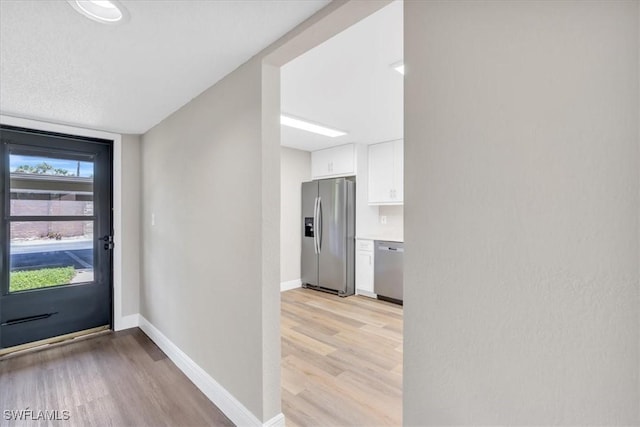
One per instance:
(521, 210)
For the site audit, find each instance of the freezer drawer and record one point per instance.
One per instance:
(388, 270)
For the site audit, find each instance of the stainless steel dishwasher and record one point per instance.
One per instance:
(388, 270)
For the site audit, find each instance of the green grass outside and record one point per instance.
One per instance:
(34, 279)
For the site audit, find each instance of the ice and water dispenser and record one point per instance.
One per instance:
(308, 226)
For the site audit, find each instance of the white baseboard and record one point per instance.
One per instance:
(277, 421)
(126, 322)
(366, 293)
(291, 284)
(217, 394)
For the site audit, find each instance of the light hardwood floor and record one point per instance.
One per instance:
(341, 360)
(116, 379)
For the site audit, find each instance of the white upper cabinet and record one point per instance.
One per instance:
(386, 173)
(333, 162)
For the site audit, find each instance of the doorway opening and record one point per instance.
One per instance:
(342, 351)
(56, 228)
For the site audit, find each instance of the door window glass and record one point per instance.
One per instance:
(47, 186)
(54, 250)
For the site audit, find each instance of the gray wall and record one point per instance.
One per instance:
(203, 258)
(521, 210)
(295, 168)
(131, 234)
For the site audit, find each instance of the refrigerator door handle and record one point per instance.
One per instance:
(315, 226)
(319, 226)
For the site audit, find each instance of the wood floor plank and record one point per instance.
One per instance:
(288, 322)
(384, 405)
(366, 359)
(307, 341)
(344, 412)
(317, 327)
(330, 365)
(359, 303)
(359, 382)
(355, 312)
(302, 313)
(383, 332)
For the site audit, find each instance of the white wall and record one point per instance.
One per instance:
(295, 168)
(522, 202)
(395, 221)
(131, 234)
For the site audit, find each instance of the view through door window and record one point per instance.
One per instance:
(46, 247)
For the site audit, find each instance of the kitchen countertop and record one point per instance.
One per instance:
(381, 237)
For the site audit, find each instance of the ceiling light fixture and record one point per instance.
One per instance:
(398, 66)
(103, 11)
(310, 127)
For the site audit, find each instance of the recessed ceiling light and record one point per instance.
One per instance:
(310, 127)
(104, 11)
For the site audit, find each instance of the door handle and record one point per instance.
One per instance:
(319, 226)
(28, 319)
(109, 242)
(315, 226)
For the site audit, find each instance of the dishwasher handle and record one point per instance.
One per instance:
(389, 249)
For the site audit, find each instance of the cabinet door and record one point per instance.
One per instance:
(381, 173)
(333, 162)
(364, 271)
(342, 160)
(398, 171)
(320, 163)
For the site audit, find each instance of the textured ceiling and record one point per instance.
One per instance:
(57, 65)
(348, 83)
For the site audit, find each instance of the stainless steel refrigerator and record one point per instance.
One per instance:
(328, 235)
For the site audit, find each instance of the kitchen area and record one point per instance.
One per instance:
(342, 227)
(342, 118)
(342, 320)
(352, 214)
